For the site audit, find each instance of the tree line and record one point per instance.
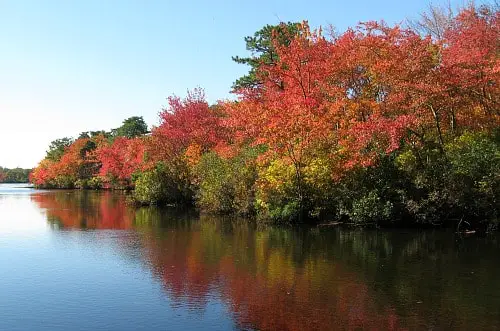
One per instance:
(15, 175)
(380, 124)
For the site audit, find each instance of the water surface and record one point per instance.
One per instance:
(72, 260)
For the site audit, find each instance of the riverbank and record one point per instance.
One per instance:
(459, 189)
(391, 127)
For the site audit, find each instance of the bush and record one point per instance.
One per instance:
(276, 194)
(162, 185)
(94, 183)
(463, 183)
(370, 208)
(64, 182)
(227, 185)
(474, 179)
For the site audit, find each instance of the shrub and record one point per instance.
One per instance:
(276, 194)
(227, 185)
(93, 183)
(370, 208)
(463, 183)
(161, 185)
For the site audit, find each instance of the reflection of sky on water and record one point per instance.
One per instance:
(83, 279)
(17, 214)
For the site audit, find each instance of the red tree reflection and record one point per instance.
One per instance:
(264, 288)
(92, 210)
(276, 279)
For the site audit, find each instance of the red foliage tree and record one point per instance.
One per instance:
(185, 122)
(121, 158)
(470, 72)
(371, 88)
(42, 174)
(77, 162)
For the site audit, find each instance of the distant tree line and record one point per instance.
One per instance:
(16, 175)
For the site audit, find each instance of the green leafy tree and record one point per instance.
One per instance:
(92, 134)
(131, 127)
(57, 148)
(16, 175)
(260, 45)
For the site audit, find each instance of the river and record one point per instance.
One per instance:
(73, 260)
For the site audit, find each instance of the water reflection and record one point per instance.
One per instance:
(86, 210)
(302, 278)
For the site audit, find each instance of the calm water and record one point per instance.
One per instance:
(86, 261)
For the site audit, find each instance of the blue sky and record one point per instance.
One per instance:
(72, 66)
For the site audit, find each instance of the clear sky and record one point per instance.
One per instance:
(70, 66)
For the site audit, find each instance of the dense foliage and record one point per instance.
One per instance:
(380, 124)
(15, 175)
